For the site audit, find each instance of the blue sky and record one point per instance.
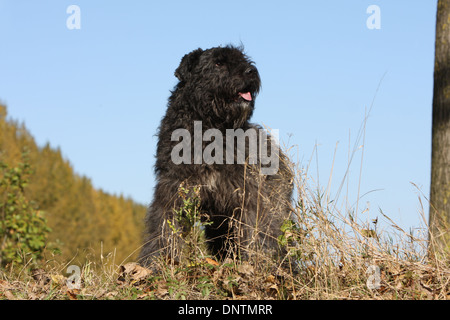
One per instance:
(99, 92)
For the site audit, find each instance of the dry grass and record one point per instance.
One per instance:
(332, 255)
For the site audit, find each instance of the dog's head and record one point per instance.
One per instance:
(223, 76)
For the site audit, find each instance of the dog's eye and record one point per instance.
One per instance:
(219, 64)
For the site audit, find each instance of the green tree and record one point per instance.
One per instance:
(23, 228)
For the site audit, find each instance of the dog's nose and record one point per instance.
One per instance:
(250, 70)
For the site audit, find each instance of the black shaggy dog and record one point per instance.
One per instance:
(245, 197)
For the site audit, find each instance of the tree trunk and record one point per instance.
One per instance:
(439, 219)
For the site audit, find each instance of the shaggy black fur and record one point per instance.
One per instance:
(246, 208)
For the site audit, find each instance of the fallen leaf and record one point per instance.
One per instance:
(212, 262)
(246, 269)
(161, 291)
(58, 279)
(5, 285)
(133, 272)
(10, 296)
(270, 278)
(272, 289)
(111, 294)
(72, 293)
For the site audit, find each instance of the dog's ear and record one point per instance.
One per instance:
(187, 64)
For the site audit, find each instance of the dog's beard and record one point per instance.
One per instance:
(233, 108)
(232, 114)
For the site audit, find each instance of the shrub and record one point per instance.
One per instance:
(23, 228)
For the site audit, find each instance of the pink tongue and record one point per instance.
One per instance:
(247, 96)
